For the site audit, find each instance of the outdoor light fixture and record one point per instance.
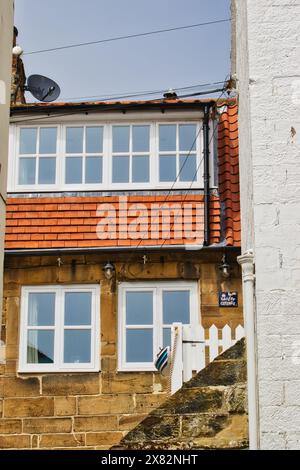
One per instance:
(225, 267)
(109, 270)
(17, 51)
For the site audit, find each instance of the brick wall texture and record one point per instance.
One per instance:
(268, 71)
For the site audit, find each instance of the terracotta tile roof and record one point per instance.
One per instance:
(71, 222)
(228, 152)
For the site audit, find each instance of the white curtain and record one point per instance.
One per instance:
(32, 339)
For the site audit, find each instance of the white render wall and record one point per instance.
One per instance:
(268, 73)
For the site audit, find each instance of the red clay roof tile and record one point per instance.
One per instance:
(228, 150)
(59, 224)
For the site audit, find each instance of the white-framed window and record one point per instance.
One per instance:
(60, 328)
(131, 150)
(107, 156)
(178, 152)
(146, 311)
(83, 150)
(37, 156)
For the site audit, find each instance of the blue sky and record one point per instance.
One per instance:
(174, 59)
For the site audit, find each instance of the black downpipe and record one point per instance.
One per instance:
(206, 175)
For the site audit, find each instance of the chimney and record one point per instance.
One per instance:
(18, 79)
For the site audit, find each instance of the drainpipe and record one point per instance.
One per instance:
(206, 172)
(247, 263)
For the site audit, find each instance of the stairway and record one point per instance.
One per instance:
(208, 412)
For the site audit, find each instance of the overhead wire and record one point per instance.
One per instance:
(140, 93)
(115, 106)
(128, 36)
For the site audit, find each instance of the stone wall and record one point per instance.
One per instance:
(93, 410)
(18, 77)
(268, 73)
(208, 412)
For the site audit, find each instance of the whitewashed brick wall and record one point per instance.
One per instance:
(268, 70)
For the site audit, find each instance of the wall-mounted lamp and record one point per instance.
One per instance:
(225, 267)
(109, 270)
(17, 51)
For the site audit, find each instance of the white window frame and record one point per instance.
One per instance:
(58, 364)
(37, 156)
(107, 184)
(157, 287)
(83, 155)
(198, 152)
(151, 153)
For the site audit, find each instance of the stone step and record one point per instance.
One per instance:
(209, 411)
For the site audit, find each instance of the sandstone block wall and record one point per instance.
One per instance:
(92, 410)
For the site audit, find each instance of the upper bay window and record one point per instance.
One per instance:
(141, 155)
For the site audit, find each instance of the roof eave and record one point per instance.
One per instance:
(105, 106)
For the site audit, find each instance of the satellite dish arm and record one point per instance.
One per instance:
(49, 92)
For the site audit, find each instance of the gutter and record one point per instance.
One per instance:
(246, 260)
(109, 106)
(123, 249)
(206, 175)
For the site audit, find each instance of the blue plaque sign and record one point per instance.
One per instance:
(228, 299)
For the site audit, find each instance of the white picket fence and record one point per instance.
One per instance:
(193, 349)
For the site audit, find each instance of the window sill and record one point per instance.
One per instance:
(57, 371)
(137, 369)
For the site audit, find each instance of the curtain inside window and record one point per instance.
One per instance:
(32, 339)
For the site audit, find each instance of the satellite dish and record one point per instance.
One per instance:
(42, 88)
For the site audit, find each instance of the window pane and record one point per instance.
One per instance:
(73, 170)
(74, 140)
(166, 337)
(139, 345)
(167, 138)
(78, 308)
(27, 170)
(41, 308)
(140, 138)
(121, 138)
(188, 168)
(139, 308)
(47, 166)
(48, 139)
(93, 170)
(176, 307)
(94, 139)
(120, 169)
(77, 346)
(28, 140)
(167, 168)
(187, 136)
(140, 169)
(40, 347)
